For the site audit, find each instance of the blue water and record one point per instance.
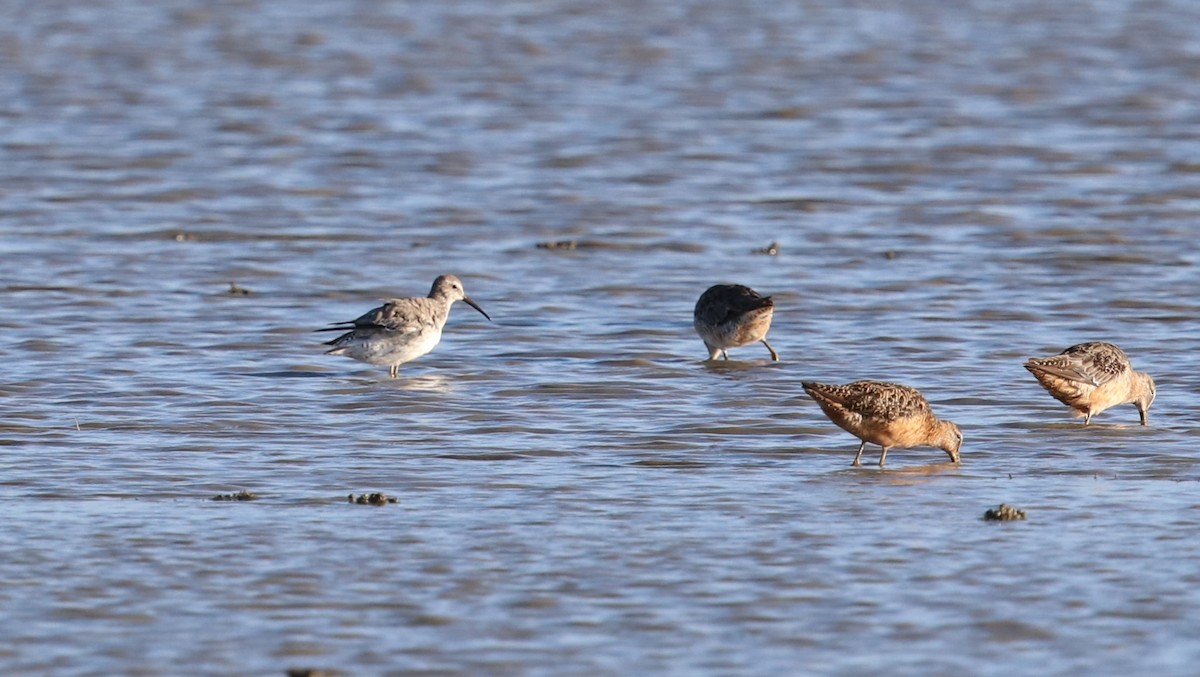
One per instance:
(953, 187)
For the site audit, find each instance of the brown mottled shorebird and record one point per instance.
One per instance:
(1092, 377)
(886, 414)
(731, 315)
(400, 330)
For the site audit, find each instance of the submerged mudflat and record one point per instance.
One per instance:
(941, 191)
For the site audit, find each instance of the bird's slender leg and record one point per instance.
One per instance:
(1087, 418)
(883, 456)
(774, 355)
(724, 355)
(858, 456)
(394, 370)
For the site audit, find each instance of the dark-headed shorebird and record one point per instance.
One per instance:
(1092, 377)
(886, 414)
(400, 330)
(731, 315)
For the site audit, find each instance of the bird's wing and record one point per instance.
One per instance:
(728, 302)
(886, 401)
(1091, 363)
(396, 315)
(871, 399)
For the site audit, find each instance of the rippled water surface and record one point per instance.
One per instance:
(952, 187)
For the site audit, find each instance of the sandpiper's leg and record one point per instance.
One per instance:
(724, 355)
(713, 351)
(774, 355)
(394, 370)
(858, 456)
(1145, 416)
(882, 456)
(1087, 418)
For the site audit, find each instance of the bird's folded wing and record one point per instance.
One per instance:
(1093, 368)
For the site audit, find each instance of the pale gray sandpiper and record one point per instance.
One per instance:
(887, 414)
(400, 330)
(1091, 377)
(733, 315)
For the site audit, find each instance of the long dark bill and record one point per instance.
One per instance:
(474, 305)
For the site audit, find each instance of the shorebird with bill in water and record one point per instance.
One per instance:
(887, 414)
(733, 315)
(401, 330)
(1091, 377)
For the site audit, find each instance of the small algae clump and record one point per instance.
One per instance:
(372, 499)
(1004, 513)
(560, 244)
(242, 495)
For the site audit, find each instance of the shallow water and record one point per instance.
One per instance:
(953, 187)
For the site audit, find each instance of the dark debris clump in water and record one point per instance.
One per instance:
(310, 672)
(242, 495)
(235, 290)
(1004, 513)
(373, 499)
(560, 244)
(769, 250)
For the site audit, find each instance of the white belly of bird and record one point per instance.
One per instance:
(395, 350)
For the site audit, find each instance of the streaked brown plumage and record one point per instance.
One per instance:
(1091, 377)
(733, 315)
(887, 414)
